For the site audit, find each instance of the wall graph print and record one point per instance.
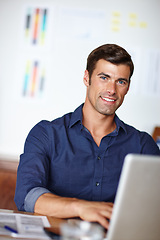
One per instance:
(36, 37)
(34, 79)
(36, 21)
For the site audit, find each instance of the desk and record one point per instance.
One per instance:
(30, 227)
(55, 224)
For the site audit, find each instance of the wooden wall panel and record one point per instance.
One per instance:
(8, 176)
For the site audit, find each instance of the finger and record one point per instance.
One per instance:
(106, 214)
(111, 205)
(107, 207)
(102, 221)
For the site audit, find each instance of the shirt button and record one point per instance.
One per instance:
(98, 157)
(97, 184)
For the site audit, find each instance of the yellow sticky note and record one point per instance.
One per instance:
(133, 15)
(132, 23)
(116, 14)
(115, 29)
(143, 24)
(115, 21)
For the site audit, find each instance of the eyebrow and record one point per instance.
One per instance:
(108, 76)
(104, 74)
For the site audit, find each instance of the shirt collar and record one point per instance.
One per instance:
(77, 117)
(119, 124)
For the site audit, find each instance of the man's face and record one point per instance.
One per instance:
(109, 85)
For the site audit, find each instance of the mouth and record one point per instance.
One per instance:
(108, 99)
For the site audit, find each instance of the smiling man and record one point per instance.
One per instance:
(111, 82)
(106, 89)
(71, 166)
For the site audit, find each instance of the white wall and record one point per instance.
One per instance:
(68, 44)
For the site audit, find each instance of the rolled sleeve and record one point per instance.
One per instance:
(32, 197)
(33, 166)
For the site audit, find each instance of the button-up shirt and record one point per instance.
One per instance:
(62, 157)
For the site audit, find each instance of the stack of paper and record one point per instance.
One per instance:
(23, 226)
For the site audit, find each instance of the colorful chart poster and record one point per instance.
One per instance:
(34, 78)
(34, 48)
(36, 26)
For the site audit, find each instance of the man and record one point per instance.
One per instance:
(71, 166)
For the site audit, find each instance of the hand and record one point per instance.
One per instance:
(61, 207)
(95, 212)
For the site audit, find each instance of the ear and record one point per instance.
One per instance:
(86, 78)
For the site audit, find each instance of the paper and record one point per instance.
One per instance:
(27, 226)
(81, 24)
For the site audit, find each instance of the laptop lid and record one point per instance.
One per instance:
(136, 214)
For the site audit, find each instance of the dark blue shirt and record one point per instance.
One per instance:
(61, 157)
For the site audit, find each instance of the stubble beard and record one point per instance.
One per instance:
(107, 110)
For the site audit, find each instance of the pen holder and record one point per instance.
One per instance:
(81, 230)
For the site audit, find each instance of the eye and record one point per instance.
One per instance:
(103, 77)
(122, 82)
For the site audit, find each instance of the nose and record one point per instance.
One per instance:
(111, 87)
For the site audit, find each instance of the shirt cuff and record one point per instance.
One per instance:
(32, 197)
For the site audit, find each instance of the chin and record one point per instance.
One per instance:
(107, 113)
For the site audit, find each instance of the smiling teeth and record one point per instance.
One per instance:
(108, 99)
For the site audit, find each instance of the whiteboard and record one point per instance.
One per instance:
(42, 77)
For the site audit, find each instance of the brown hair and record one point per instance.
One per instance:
(111, 53)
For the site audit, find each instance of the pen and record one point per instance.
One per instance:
(10, 229)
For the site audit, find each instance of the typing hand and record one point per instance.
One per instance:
(95, 212)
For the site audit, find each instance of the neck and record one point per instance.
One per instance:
(98, 124)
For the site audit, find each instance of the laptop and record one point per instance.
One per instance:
(136, 214)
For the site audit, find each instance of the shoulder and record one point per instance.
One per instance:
(135, 132)
(45, 132)
(45, 124)
(143, 139)
(132, 130)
